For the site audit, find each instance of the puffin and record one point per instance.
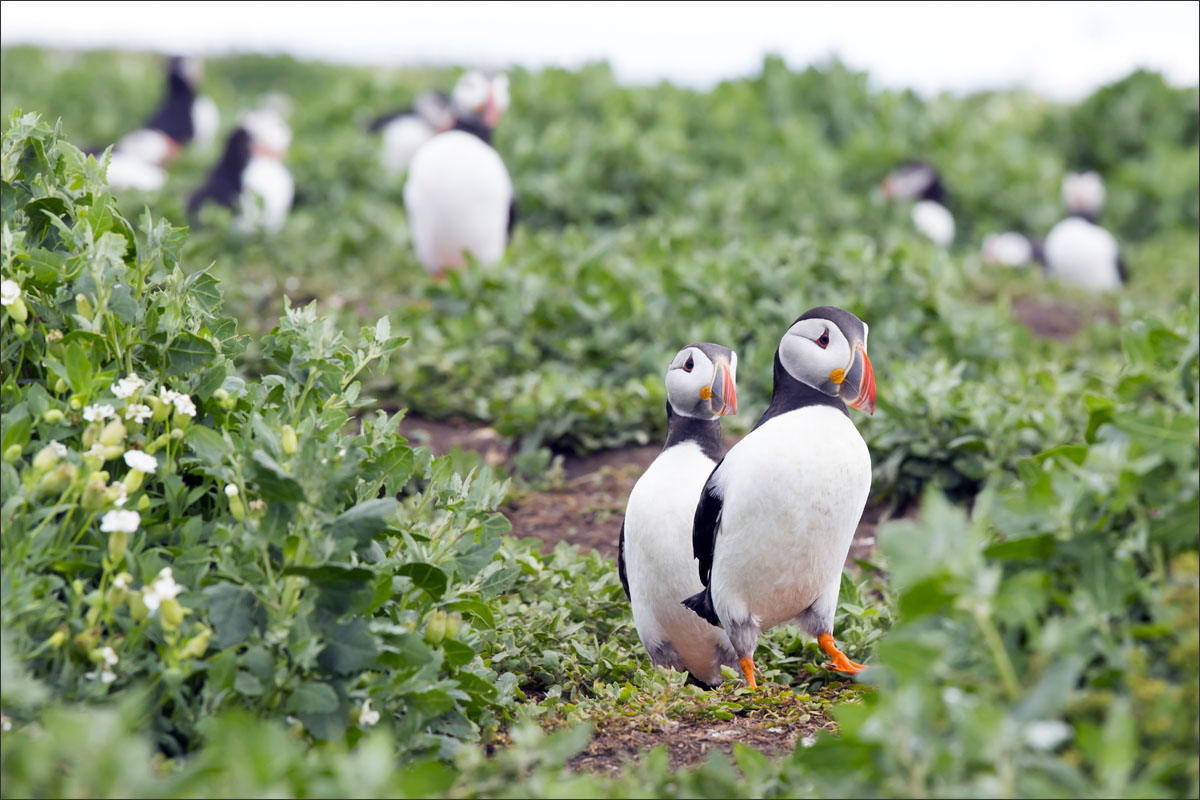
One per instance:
(654, 551)
(138, 158)
(778, 513)
(406, 130)
(1078, 250)
(250, 175)
(1011, 249)
(458, 194)
(920, 182)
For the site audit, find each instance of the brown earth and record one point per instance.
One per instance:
(1054, 319)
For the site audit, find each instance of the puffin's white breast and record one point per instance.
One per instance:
(457, 198)
(402, 137)
(206, 119)
(935, 221)
(659, 563)
(794, 490)
(267, 194)
(1081, 253)
(130, 172)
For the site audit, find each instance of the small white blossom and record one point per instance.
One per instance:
(126, 521)
(184, 405)
(122, 581)
(1047, 734)
(367, 717)
(127, 386)
(141, 461)
(122, 494)
(952, 695)
(138, 412)
(110, 656)
(231, 490)
(98, 411)
(106, 675)
(10, 291)
(59, 449)
(161, 588)
(166, 395)
(54, 335)
(5, 723)
(96, 451)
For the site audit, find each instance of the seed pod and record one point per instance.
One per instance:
(196, 646)
(93, 494)
(60, 386)
(57, 639)
(117, 542)
(19, 312)
(90, 434)
(137, 607)
(53, 416)
(84, 306)
(113, 451)
(46, 458)
(13, 452)
(172, 613)
(57, 480)
(133, 480)
(435, 628)
(236, 508)
(453, 623)
(289, 440)
(113, 434)
(19, 328)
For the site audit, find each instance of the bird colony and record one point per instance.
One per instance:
(900, 398)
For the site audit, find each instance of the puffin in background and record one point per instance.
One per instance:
(1011, 249)
(1078, 250)
(406, 130)
(459, 196)
(250, 176)
(654, 552)
(920, 182)
(138, 158)
(776, 517)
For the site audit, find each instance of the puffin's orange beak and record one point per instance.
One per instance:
(723, 392)
(858, 388)
(491, 111)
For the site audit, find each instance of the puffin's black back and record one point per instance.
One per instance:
(174, 116)
(224, 183)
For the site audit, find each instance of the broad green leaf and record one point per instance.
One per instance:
(364, 521)
(426, 577)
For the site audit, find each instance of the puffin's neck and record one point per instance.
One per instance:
(704, 432)
(174, 117)
(474, 127)
(935, 192)
(1086, 216)
(790, 394)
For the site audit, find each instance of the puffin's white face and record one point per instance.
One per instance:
(1007, 249)
(816, 352)
(270, 136)
(482, 96)
(434, 108)
(151, 146)
(192, 70)
(907, 182)
(1083, 192)
(701, 381)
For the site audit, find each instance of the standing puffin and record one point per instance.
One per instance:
(654, 557)
(919, 181)
(776, 517)
(251, 176)
(406, 130)
(138, 158)
(1077, 250)
(1011, 249)
(459, 196)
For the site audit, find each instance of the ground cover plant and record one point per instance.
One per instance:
(226, 572)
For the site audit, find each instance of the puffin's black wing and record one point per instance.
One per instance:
(704, 539)
(224, 184)
(621, 562)
(380, 123)
(174, 116)
(1122, 270)
(512, 217)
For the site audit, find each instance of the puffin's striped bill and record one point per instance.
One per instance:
(859, 380)
(724, 393)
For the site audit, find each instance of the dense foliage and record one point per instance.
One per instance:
(323, 572)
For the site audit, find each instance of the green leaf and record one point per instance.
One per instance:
(430, 778)
(189, 353)
(208, 445)
(79, 370)
(273, 481)
(350, 648)
(364, 521)
(312, 698)
(342, 590)
(234, 612)
(246, 684)
(426, 577)
(457, 653)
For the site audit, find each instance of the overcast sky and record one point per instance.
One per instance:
(1063, 50)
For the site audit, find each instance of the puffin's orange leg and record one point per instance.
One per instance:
(839, 662)
(747, 665)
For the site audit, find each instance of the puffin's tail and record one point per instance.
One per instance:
(702, 604)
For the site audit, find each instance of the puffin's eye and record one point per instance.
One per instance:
(689, 365)
(823, 341)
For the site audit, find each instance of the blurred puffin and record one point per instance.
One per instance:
(919, 181)
(251, 176)
(459, 196)
(1077, 250)
(1011, 249)
(406, 130)
(138, 158)
(776, 517)
(654, 558)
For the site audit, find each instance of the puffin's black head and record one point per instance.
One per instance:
(826, 349)
(480, 98)
(700, 381)
(913, 180)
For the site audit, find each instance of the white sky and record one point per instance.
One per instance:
(1063, 50)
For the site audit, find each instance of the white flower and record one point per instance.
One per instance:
(5, 723)
(59, 449)
(110, 656)
(141, 461)
(125, 521)
(96, 451)
(184, 405)
(97, 412)
(166, 395)
(10, 291)
(126, 387)
(231, 490)
(106, 675)
(138, 412)
(367, 717)
(122, 494)
(162, 588)
(122, 581)
(1047, 734)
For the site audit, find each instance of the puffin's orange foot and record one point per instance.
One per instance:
(839, 662)
(747, 665)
